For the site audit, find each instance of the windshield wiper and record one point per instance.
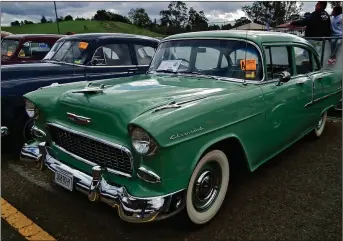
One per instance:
(165, 71)
(199, 74)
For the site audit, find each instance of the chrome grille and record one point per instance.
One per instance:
(114, 158)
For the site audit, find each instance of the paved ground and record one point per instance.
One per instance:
(295, 196)
(8, 233)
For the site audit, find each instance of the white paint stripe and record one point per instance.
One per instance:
(25, 173)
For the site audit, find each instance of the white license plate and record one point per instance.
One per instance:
(64, 179)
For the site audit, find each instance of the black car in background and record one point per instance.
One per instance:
(79, 57)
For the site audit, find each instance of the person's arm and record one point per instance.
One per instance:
(305, 21)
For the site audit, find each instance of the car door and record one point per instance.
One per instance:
(111, 60)
(143, 53)
(284, 102)
(308, 74)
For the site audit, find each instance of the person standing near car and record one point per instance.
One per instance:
(317, 24)
(336, 27)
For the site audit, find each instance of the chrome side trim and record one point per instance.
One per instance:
(322, 98)
(130, 208)
(223, 38)
(118, 146)
(78, 118)
(150, 173)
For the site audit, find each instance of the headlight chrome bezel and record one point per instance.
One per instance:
(31, 110)
(138, 136)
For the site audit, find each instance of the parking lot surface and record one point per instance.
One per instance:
(295, 196)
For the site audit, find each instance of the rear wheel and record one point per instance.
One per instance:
(207, 187)
(318, 130)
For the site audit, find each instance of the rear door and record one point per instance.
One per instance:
(284, 102)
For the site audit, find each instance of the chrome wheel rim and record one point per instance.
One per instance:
(207, 187)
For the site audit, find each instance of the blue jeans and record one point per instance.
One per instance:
(335, 44)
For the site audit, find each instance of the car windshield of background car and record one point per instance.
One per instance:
(71, 52)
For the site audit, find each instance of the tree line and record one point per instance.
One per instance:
(178, 18)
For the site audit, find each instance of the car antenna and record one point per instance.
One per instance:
(245, 57)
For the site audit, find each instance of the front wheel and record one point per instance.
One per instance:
(207, 187)
(318, 130)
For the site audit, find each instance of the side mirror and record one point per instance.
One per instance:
(284, 77)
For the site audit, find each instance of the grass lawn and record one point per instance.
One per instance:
(78, 27)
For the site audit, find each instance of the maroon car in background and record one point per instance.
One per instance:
(26, 48)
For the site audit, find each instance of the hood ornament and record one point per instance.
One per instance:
(79, 119)
(91, 90)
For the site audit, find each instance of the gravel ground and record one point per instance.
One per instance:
(295, 196)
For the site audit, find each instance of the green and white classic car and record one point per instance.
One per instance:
(155, 144)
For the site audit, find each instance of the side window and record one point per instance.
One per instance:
(113, 55)
(278, 60)
(207, 58)
(36, 50)
(303, 61)
(144, 54)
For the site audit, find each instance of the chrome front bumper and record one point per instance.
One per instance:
(130, 208)
(4, 131)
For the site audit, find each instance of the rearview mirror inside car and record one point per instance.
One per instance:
(201, 50)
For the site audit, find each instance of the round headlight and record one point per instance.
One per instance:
(142, 142)
(31, 110)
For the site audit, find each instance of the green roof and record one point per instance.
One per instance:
(255, 36)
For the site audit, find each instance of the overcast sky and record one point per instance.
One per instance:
(33, 11)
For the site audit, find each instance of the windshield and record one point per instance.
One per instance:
(220, 58)
(9, 46)
(74, 52)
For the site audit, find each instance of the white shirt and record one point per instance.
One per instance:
(336, 25)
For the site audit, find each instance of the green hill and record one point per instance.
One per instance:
(78, 27)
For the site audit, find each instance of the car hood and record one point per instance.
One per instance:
(32, 70)
(112, 109)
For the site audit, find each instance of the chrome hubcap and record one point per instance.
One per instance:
(207, 187)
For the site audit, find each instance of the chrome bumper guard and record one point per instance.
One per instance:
(131, 209)
(4, 131)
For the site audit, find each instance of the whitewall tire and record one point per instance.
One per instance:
(318, 130)
(207, 187)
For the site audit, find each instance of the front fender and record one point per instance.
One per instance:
(207, 122)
